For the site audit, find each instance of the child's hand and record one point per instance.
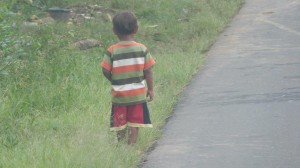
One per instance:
(150, 95)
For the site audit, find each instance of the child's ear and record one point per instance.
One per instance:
(115, 32)
(136, 30)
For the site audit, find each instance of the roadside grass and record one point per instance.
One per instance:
(54, 101)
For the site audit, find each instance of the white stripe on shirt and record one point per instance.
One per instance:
(131, 86)
(130, 61)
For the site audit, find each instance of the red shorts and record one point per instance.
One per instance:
(132, 115)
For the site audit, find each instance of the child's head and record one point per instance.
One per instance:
(125, 23)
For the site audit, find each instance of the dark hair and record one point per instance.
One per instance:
(125, 23)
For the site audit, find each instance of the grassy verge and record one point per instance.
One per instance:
(54, 101)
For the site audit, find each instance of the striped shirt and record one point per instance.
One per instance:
(127, 61)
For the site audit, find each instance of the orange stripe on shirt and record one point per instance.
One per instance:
(105, 65)
(149, 63)
(129, 93)
(121, 45)
(128, 68)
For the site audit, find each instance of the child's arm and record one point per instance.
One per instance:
(148, 74)
(107, 74)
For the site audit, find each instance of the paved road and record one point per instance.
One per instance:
(242, 110)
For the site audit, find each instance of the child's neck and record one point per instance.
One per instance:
(129, 37)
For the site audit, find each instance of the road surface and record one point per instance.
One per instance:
(242, 110)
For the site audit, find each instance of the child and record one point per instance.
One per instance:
(127, 65)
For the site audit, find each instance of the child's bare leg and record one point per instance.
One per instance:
(121, 134)
(133, 134)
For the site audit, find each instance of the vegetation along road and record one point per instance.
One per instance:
(54, 101)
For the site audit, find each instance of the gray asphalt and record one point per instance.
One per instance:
(242, 110)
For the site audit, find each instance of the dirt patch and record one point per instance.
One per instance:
(75, 14)
(79, 13)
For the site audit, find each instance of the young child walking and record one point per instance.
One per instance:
(128, 66)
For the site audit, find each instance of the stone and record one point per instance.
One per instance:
(47, 20)
(86, 44)
(59, 14)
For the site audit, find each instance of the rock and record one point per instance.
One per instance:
(107, 17)
(33, 18)
(86, 44)
(152, 26)
(59, 14)
(47, 20)
(70, 23)
(98, 7)
(30, 24)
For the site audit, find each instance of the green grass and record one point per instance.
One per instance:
(54, 101)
